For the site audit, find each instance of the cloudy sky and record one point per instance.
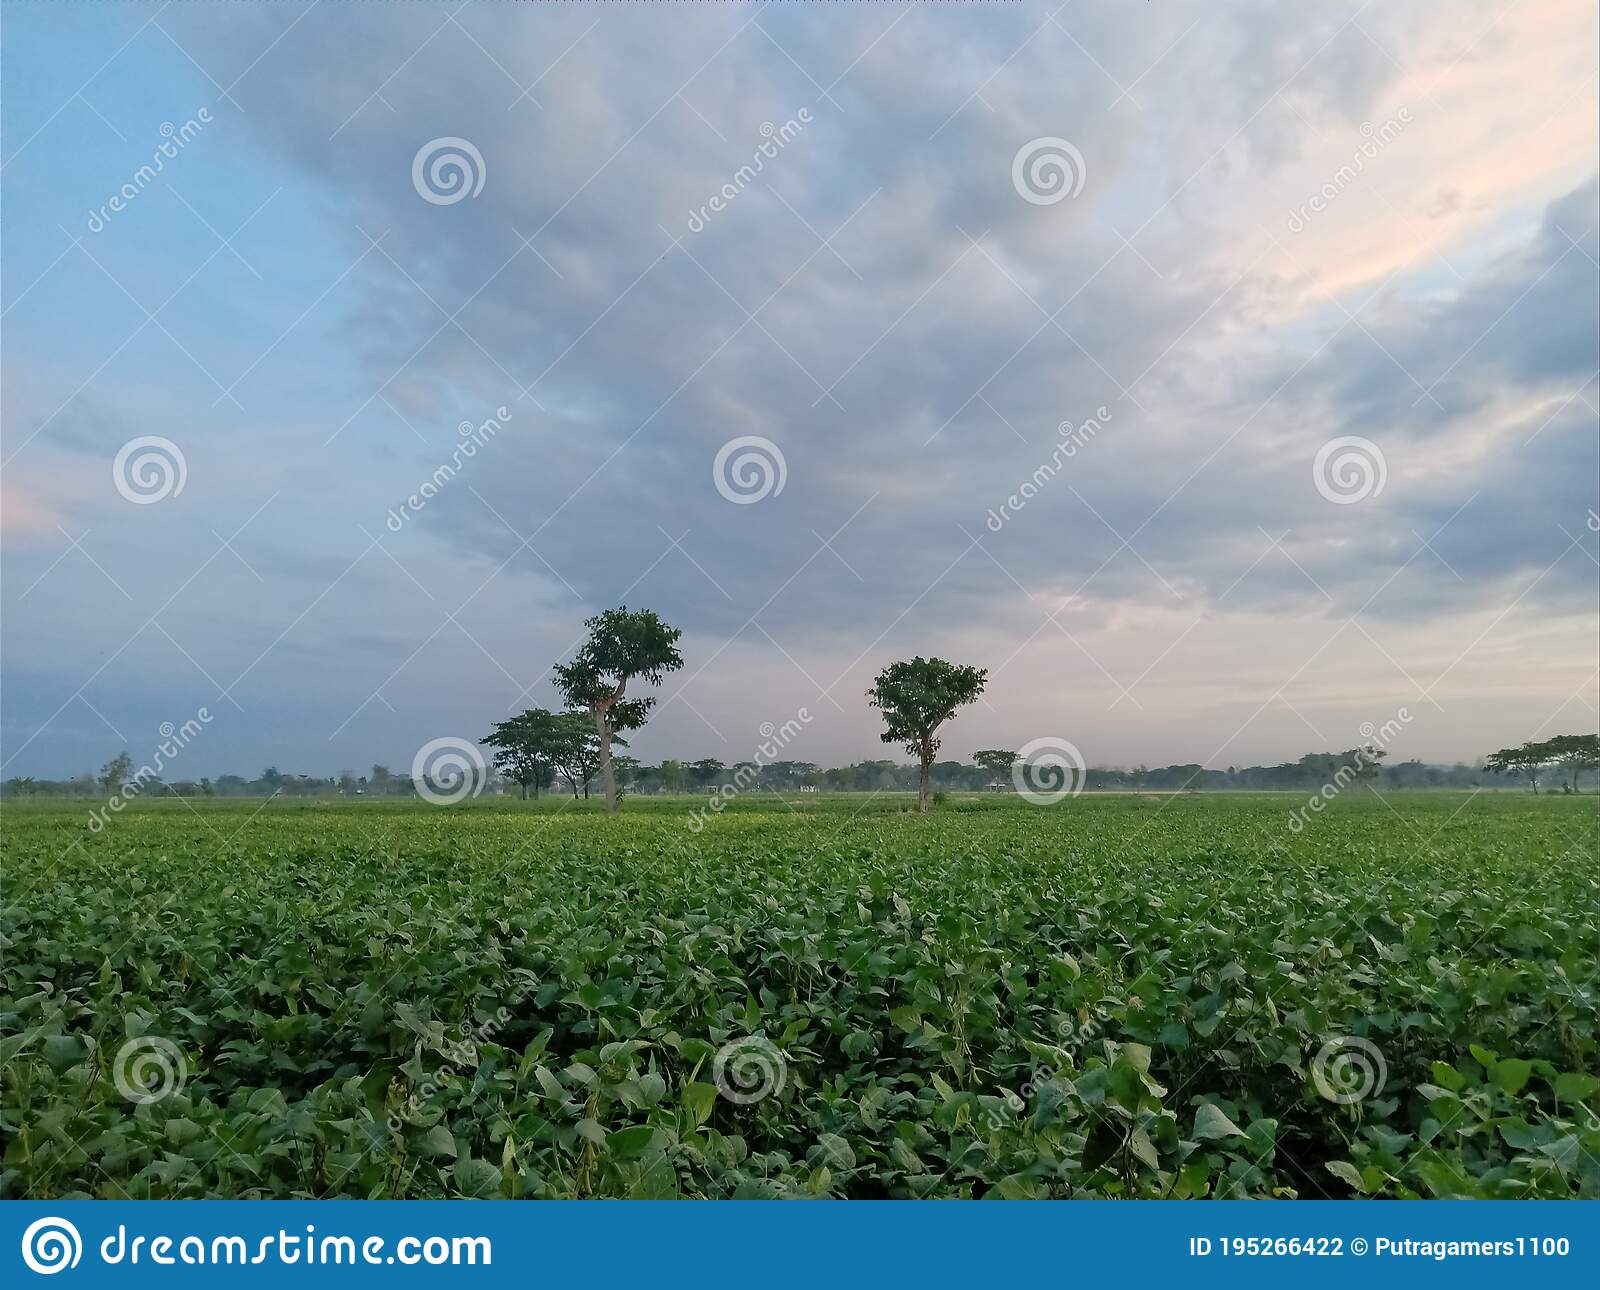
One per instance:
(1286, 315)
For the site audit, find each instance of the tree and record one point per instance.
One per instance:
(1527, 759)
(1574, 753)
(524, 750)
(622, 647)
(114, 774)
(918, 697)
(576, 750)
(379, 779)
(707, 771)
(995, 762)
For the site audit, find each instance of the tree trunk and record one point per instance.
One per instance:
(922, 786)
(603, 728)
(524, 792)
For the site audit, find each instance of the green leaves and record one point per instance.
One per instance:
(383, 1000)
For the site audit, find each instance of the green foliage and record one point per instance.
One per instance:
(622, 646)
(918, 697)
(1119, 997)
(1572, 753)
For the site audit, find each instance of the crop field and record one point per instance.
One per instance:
(1110, 997)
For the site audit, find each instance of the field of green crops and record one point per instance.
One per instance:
(1113, 996)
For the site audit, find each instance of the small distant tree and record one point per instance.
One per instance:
(114, 774)
(1527, 759)
(918, 697)
(622, 647)
(995, 762)
(380, 779)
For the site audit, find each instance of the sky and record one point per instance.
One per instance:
(1221, 377)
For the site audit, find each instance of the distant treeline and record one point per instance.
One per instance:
(709, 774)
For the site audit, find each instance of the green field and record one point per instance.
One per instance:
(1113, 996)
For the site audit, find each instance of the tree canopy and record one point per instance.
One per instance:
(916, 698)
(622, 646)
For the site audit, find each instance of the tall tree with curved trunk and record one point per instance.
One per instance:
(623, 646)
(918, 697)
